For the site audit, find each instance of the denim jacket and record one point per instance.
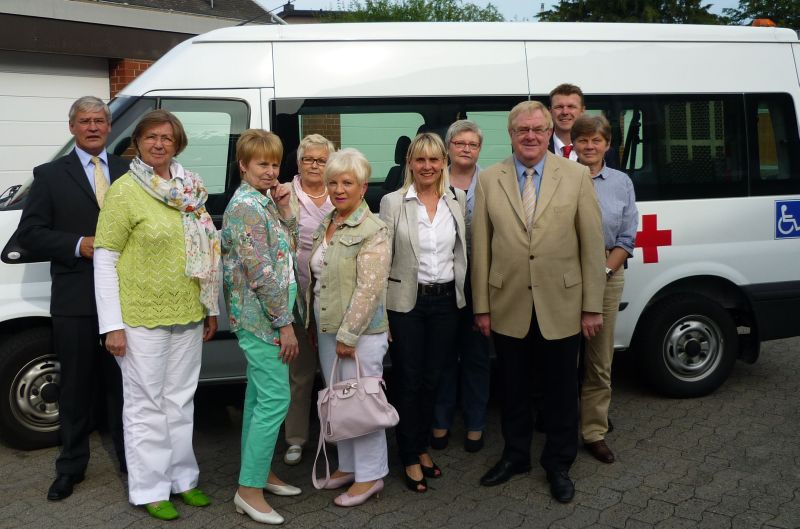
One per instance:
(257, 249)
(353, 283)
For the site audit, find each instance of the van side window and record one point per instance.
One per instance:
(775, 166)
(679, 147)
(213, 127)
(380, 128)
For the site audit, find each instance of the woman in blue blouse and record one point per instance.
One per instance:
(591, 138)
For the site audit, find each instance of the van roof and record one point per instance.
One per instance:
(498, 31)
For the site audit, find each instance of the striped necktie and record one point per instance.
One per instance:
(100, 182)
(529, 197)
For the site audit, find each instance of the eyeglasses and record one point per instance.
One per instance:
(85, 122)
(466, 145)
(153, 138)
(308, 160)
(524, 131)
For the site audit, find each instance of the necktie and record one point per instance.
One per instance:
(529, 197)
(100, 182)
(566, 150)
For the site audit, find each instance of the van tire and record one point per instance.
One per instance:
(29, 377)
(686, 346)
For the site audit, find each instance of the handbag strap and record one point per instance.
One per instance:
(321, 448)
(334, 371)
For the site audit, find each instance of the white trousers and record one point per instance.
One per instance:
(367, 455)
(160, 370)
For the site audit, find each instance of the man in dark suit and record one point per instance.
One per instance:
(58, 223)
(567, 105)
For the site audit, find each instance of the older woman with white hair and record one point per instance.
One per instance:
(350, 265)
(310, 204)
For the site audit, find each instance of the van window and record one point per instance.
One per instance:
(776, 152)
(678, 147)
(378, 128)
(213, 127)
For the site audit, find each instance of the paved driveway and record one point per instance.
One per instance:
(728, 460)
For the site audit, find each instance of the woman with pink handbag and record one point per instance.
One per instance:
(349, 264)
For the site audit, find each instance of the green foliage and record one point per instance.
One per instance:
(785, 13)
(415, 11)
(653, 11)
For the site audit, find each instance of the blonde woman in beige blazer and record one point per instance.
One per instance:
(426, 288)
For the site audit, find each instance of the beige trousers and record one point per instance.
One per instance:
(302, 371)
(596, 389)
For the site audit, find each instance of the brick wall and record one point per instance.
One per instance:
(123, 71)
(329, 125)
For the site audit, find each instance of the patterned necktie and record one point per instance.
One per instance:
(529, 197)
(566, 150)
(100, 182)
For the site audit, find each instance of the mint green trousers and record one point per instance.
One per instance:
(265, 404)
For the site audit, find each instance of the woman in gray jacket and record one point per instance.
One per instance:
(426, 289)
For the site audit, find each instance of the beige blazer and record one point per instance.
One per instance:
(400, 215)
(559, 268)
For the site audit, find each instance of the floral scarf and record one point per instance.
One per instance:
(186, 193)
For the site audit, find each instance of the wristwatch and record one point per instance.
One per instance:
(609, 273)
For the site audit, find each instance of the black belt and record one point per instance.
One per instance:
(436, 289)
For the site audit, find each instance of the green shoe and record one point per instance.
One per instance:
(195, 497)
(163, 510)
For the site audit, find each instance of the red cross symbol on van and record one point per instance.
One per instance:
(650, 238)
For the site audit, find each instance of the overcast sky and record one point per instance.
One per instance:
(511, 9)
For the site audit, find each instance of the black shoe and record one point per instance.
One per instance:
(415, 485)
(433, 472)
(473, 445)
(440, 443)
(561, 487)
(502, 472)
(62, 486)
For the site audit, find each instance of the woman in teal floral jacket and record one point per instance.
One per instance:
(259, 240)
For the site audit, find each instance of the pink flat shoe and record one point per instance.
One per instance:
(341, 481)
(345, 500)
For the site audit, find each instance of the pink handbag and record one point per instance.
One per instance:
(350, 408)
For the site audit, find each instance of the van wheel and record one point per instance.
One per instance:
(29, 389)
(687, 345)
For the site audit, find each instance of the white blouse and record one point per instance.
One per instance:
(437, 242)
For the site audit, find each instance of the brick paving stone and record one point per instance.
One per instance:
(728, 460)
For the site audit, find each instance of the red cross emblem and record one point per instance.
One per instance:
(650, 238)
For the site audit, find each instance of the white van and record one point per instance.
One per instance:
(705, 121)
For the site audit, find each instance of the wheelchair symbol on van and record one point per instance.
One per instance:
(787, 219)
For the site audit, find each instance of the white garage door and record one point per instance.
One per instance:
(36, 91)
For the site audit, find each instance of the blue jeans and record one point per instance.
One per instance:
(468, 364)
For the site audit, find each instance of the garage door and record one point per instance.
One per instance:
(36, 91)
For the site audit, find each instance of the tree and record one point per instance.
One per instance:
(654, 11)
(416, 11)
(785, 13)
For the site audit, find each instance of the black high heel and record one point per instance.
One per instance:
(413, 484)
(433, 472)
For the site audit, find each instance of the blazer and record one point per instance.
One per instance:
(561, 264)
(62, 208)
(400, 216)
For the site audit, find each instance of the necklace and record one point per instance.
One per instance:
(340, 223)
(315, 197)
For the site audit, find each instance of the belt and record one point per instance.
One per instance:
(436, 289)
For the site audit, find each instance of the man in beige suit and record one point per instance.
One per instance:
(538, 276)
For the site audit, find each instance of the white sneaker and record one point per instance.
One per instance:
(293, 455)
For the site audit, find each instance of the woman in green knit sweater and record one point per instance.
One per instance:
(156, 283)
